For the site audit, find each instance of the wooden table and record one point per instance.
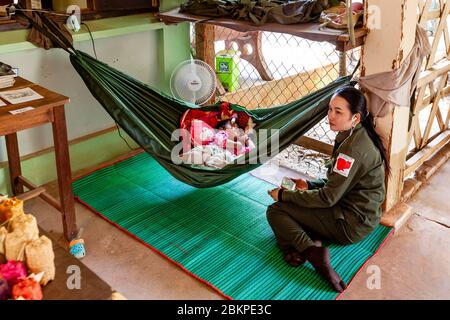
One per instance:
(50, 109)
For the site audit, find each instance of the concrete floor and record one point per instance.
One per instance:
(414, 263)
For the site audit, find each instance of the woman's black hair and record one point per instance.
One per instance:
(358, 104)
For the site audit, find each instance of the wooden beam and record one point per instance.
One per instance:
(433, 112)
(439, 118)
(441, 67)
(44, 195)
(421, 156)
(316, 145)
(417, 132)
(433, 14)
(438, 34)
(31, 194)
(424, 9)
(204, 46)
(429, 99)
(204, 43)
(415, 127)
(447, 119)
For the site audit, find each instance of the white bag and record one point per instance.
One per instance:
(3, 233)
(40, 258)
(27, 224)
(15, 243)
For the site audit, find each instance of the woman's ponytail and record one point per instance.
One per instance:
(368, 123)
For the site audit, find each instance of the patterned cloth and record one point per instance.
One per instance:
(259, 12)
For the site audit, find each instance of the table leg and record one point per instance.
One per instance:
(12, 148)
(64, 172)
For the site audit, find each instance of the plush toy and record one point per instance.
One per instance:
(209, 117)
(225, 111)
(77, 248)
(243, 119)
(245, 122)
(5, 292)
(201, 133)
(28, 289)
(13, 271)
(10, 208)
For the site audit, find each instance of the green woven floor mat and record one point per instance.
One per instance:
(220, 234)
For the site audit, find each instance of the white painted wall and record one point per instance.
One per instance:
(135, 54)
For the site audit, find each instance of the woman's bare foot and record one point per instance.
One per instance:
(293, 257)
(319, 257)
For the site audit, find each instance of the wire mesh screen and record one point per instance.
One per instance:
(261, 69)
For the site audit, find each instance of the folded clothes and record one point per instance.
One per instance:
(210, 155)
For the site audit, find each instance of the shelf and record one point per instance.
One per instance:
(310, 31)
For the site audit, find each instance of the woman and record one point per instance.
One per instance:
(345, 207)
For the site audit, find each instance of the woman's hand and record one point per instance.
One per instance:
(300, 184)
(274, 193)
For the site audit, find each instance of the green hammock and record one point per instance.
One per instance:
(150, 117)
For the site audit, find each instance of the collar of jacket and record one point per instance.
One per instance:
(341, 136)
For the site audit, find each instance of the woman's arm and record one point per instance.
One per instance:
(316, 184)
(347, 170)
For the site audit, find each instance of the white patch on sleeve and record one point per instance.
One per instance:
(343, 164)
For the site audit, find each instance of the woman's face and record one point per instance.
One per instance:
(340, 117)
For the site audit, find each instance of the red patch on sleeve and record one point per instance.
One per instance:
(343, 164)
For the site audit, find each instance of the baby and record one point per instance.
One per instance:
(233, 138)
(218, 147)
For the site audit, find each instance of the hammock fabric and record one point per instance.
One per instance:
(150, 116)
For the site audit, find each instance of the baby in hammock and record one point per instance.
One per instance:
(233, 138)
(217, 148)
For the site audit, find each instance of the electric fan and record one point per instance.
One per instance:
(193, 81)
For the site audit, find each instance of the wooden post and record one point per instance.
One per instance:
(394, 32)
(342, 63)
(204, 43)
(204, 46)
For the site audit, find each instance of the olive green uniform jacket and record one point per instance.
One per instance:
(354, 187)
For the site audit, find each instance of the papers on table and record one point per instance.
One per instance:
(20, 95)
(2, 103)
(22, 110)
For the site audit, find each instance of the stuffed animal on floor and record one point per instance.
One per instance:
(9, 208)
